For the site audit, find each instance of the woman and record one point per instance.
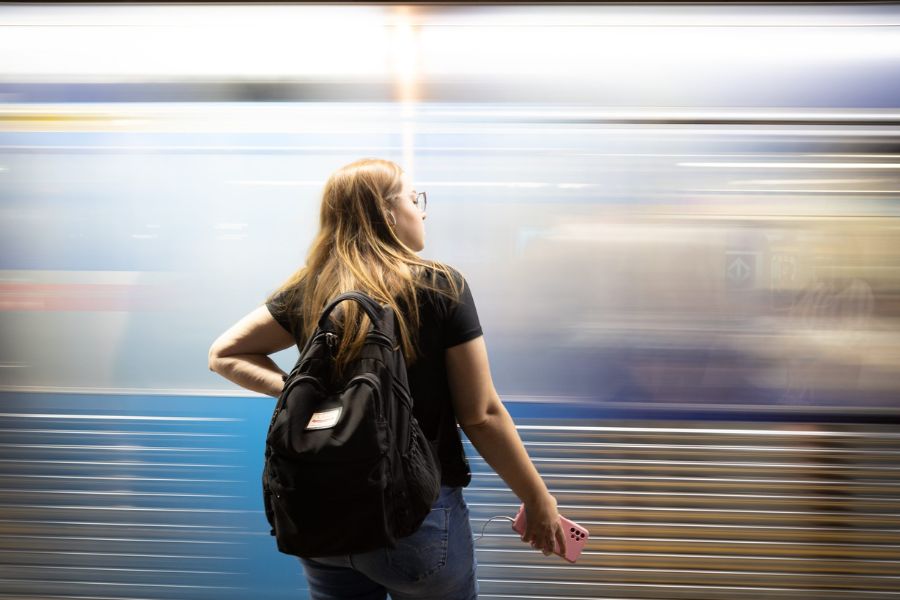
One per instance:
(371, 227)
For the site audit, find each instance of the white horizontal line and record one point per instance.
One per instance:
(230, 110)
(129, 493)
(45, 596)
(776, 528)
(714, 463)
(737, 130)
(666, 478)
(213, 528)
(125, 569)
(216, 393)
(794, 590)
(782, 574)
(124, 478)
(158, 148)
(121, 433)
(823, 497)
(116, 463)
(566, 444)
(653, 430)
(759, 191)
(791, 165)
(117, 554)
(735, 542)
(602, 507)
(555, 149)
(132, 508)
(119, 539)
(124, 585)
(121, 448)
(724, 557)
(650, 114)
(115, 417)
(276, 182)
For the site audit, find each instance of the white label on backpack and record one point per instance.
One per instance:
(325, 419)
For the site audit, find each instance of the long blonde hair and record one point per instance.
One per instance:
(357, 249)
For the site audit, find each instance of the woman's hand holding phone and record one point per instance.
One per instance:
(574, 536)
(542, 526)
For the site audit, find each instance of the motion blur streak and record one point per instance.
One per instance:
(680, 225)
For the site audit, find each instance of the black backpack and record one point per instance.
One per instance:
(347, 467)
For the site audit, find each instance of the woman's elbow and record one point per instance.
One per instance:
(214, 357)
(484, 417)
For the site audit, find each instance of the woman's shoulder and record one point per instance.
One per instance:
(442, 275)
(287, 294)
(442, 287)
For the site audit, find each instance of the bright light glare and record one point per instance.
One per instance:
(404, 54)
(643, 52)
(322, 42)
(326, 42)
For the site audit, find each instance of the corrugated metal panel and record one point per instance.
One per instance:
(703, 511)
(101, 504)
(98, 502)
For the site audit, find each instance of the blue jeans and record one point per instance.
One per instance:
(437, 562)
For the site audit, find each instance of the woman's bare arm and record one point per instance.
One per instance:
(491, 430)
(241, 353)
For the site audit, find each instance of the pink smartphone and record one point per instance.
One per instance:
(576, 535)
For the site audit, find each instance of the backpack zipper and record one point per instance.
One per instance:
(293, 383)
(374, 384)
(331, 340)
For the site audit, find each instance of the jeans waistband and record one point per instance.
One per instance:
(449, 497)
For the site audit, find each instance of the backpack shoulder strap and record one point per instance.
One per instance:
(372, 308)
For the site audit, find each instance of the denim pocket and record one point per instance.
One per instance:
(424, 552)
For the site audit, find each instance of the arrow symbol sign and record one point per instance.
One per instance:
(738, 271)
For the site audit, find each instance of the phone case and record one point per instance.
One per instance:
(576, 535)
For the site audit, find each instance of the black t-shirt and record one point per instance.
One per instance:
(443, 324)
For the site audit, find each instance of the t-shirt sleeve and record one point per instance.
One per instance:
(461, 324)
(277, 305)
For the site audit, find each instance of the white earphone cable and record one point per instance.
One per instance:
(510, 519)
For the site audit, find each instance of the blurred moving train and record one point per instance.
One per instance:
(694, 207)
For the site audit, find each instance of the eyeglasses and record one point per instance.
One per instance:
(421, 201)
